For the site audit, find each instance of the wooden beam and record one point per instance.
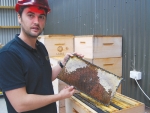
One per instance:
(7, 7)
(9, 27)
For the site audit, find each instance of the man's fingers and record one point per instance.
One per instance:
(79, 55)
(71, 87)
(76, 91)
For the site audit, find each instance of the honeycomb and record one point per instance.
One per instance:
(90, 79)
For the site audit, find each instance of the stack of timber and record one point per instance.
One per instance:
(103, 51)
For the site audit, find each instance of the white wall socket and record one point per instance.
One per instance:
(136, 75)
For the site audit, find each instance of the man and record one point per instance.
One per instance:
(25, 72)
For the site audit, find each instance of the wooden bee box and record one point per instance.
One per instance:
(98, 46)
(127, 105)
(58, 45)
(113, 65)
(58, 85)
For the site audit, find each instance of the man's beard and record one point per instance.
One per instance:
(29, 34)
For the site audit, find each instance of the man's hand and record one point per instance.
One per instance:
(70, 55)
(67, 92)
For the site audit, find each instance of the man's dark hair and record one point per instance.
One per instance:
(21, 10)
(23, 7)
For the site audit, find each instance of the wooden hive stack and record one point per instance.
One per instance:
(103, 51)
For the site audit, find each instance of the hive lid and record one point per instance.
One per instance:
(90, 79)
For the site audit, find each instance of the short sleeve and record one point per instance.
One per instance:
(11, 71)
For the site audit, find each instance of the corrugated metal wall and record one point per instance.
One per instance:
(8, 2)
(8, 17)
(129, 18)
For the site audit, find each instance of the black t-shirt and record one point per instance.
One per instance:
(23, 66)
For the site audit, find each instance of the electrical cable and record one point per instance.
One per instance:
(142, 89)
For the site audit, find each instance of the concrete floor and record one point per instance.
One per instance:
(3, 108)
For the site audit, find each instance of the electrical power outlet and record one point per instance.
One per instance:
(136, 75)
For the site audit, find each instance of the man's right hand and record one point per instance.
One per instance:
(67, 92)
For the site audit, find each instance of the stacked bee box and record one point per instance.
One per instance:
(57, 46)
(103, 51)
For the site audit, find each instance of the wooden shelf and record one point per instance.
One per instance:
(9, 27)
(7, 7)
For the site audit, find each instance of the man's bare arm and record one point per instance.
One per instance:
(21, 101)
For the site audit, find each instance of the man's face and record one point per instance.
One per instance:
(32, 21)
